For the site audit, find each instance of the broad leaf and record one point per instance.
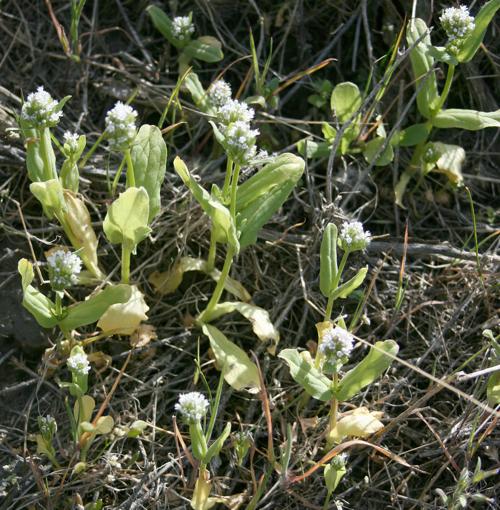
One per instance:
(239, 372)
(91, 310)
(83, 408)
(450, 161)
(328, 260)
(217, 445)
(264, 193)
(374, 153)
(345, 100)
(493, 389)
(77, 225)
(124, 318)
(201, 493)
(104, 425)
(481, 22)
(198, 93)
(367, 370)
(344, 290)
(34, 161)
(168, 282)
(39, 305)
(358, 423)
(471, 120)
(422, 64)
(310, 378)
(50, 195)
(313, 149)
(149, 158)
(127, 219)
(163, 24)
(218, 213)
(205, 48)
(259, 318)
(333, 475)
(413, 135)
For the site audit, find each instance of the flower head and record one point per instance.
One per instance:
(182, 27)
(41, 109)
(234, 111)
(78, 362)
(193, 406)
(120, 125)
(47, 426)
(336, 344)
(219, 93)
(71, 141)
(64, 268)
(239, 140)
(353, 237)
(458, 24)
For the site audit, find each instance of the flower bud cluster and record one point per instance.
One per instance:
(78, 363)
(219, 93)
(71, 141)
(192, 406)
(182, 27)
(64, 268)
(41, 109)
(120, 126)
(353, 237)
(336, 346)
(458, 24)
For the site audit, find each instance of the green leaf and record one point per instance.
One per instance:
(471, 120)
(137, 428)
(450, 159)
(50, 195)
(422, 64)
(373, 154)
(34, 161)
(104, 425)
(91, 310)
(413, 135)
(368, 370)
(149, 158)
(264, 193)
(441, 54)
(39, 305)
(328, 260)
(329, 132)
(205, 48)
(127, 219)
(493, 389)
(304, 373)
(198, 93)
(217, 445)
(347, 288)
(83, 409)
(345, 100)
(239, 372)
(333, 475)
(475, 38)
(259, 318)
(163, 24)
(313, 149)
(218, 213)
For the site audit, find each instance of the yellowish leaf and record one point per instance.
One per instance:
(143, 335)
(358, 423)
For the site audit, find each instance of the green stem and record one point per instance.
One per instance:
(91, 151)
(125, 264)
(234, 189)
(227, 179)
(334, 409)
(117, 177)
(58, 304)
(212, 250)
(215, 408)
(214, 300)
(446, 89)
(130, 169)
(45, 145)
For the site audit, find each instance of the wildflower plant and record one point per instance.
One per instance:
(324, 377)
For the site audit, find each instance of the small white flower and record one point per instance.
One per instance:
(353, 237)
(79, 363)
(193, 406)
(234, 111)
(219, 93)
(336, 344)
(120, 125)
(64, 268)
(239, 139)
(182, 27)
(457, 23)
(40, 109)
(71, 140)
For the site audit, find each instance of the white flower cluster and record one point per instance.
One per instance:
(458, 24)
(219, 93)
(336, 344)
(64, 268)
(120, 125)
(353, 237)
(40, 109)
(79, 363)
(182, 27)
(71, 140)
(47, 426)
(193, 406)
(240, 139)
(234, 110)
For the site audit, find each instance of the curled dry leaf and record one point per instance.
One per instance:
(143, 335)
(359, 422)
(100, 360)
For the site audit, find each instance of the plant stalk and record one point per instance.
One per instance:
(130, 169)
(125, 264)
(214, 300)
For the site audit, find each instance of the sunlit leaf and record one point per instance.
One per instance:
(198, 93)
(217, 445)
(345, 100)
(239, 372)
(370, 368)
(104, 425)
(413, 135)
(50, 195)
(470, 120)
(201, 493)
(163, 24)
(358, 423)
(373, 152)
(304, 373)
(493, 389)
(450, 161)
(205, 48)
(347, 288)
(149, 157)
(328, 260)
(83, 408)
